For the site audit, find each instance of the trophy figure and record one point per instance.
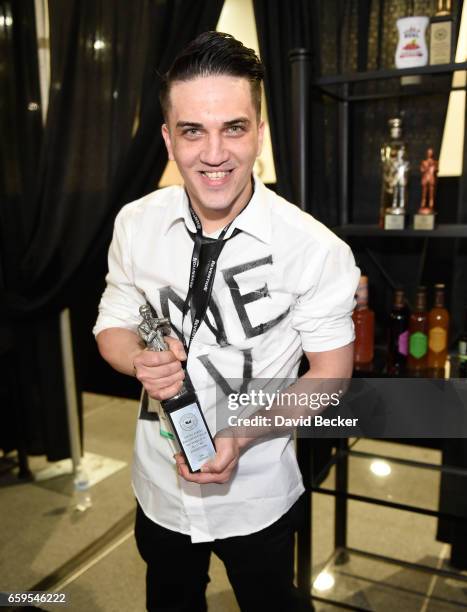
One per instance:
(425, 218)
(182, 410)
(152, 330)
(395, 174)
(400, 178)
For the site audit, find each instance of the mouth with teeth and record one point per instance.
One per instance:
(216, 178)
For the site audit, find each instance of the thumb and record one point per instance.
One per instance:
(176, 347)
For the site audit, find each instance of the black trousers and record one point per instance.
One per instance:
(259, 566)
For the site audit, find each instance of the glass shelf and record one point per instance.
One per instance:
(441, 231)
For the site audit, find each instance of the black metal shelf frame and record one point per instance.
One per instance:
(301, 69)
(378, 75)
(448, 230)
(340, 460)
(344, 94)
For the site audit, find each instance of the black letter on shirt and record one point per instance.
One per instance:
(240, 300)
(167, 294)
(221, 381)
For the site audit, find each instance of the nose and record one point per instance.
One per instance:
(213, 152)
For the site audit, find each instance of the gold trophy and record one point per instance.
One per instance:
(425, 218)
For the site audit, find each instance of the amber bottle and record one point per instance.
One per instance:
(418, 334)
(438, 328)
(364, 321)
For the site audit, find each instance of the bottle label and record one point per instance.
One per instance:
(440, 42)
(418, 345)
(403, 343)
(437, 339)
(463, 349)
(193, 435)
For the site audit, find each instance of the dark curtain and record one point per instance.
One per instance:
(20, 122)
(282, 26)
(101, 147)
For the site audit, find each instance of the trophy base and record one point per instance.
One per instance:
(424, 222)
(394, 221)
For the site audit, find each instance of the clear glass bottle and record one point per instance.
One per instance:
(394, 170)
(82, 494)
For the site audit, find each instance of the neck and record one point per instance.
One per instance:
(213, 220)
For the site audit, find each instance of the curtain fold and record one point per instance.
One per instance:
(101, 147)
(281, 26)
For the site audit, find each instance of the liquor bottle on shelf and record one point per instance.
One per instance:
(398, 335)
(418, 335)
(364, 322)
(395, 174)
(441, 38)
(438, 328)
(462, 351)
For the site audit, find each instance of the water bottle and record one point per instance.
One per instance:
(83, 499)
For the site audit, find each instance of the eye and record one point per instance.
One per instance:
(192, 132)
(235, 130)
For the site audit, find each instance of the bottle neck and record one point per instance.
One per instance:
(362, 294)
(444, 7)
(420, 302)
(399, 301)
(439, 299)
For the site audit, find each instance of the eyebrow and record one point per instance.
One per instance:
(194, 124)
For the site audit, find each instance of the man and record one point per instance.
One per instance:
(283, 284)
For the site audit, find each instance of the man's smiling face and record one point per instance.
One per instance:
(214, 136)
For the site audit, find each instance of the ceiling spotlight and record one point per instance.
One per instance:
(99, 44)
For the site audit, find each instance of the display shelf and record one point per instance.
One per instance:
(376, 75)
(340, 87)
(448, 230)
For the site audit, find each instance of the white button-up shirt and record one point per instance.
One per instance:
(285, 284)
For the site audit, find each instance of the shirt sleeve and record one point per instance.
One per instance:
(120, 302)
(323, 311)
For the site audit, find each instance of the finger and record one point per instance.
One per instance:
(208, 468)
(162, 383)
(218, 464)
(179, 459)
(163, 394)
(146, 373)
(155, 358)
(201, 478)
(176, 348)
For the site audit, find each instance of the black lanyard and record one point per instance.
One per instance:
(206, 252)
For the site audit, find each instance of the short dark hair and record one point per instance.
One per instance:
(214, 54)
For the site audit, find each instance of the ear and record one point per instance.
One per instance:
(168, 142)
(261, 127)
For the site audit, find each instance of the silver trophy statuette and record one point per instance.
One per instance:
(152, 330)
(182, 410)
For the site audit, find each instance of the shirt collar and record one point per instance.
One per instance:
(255, 219)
